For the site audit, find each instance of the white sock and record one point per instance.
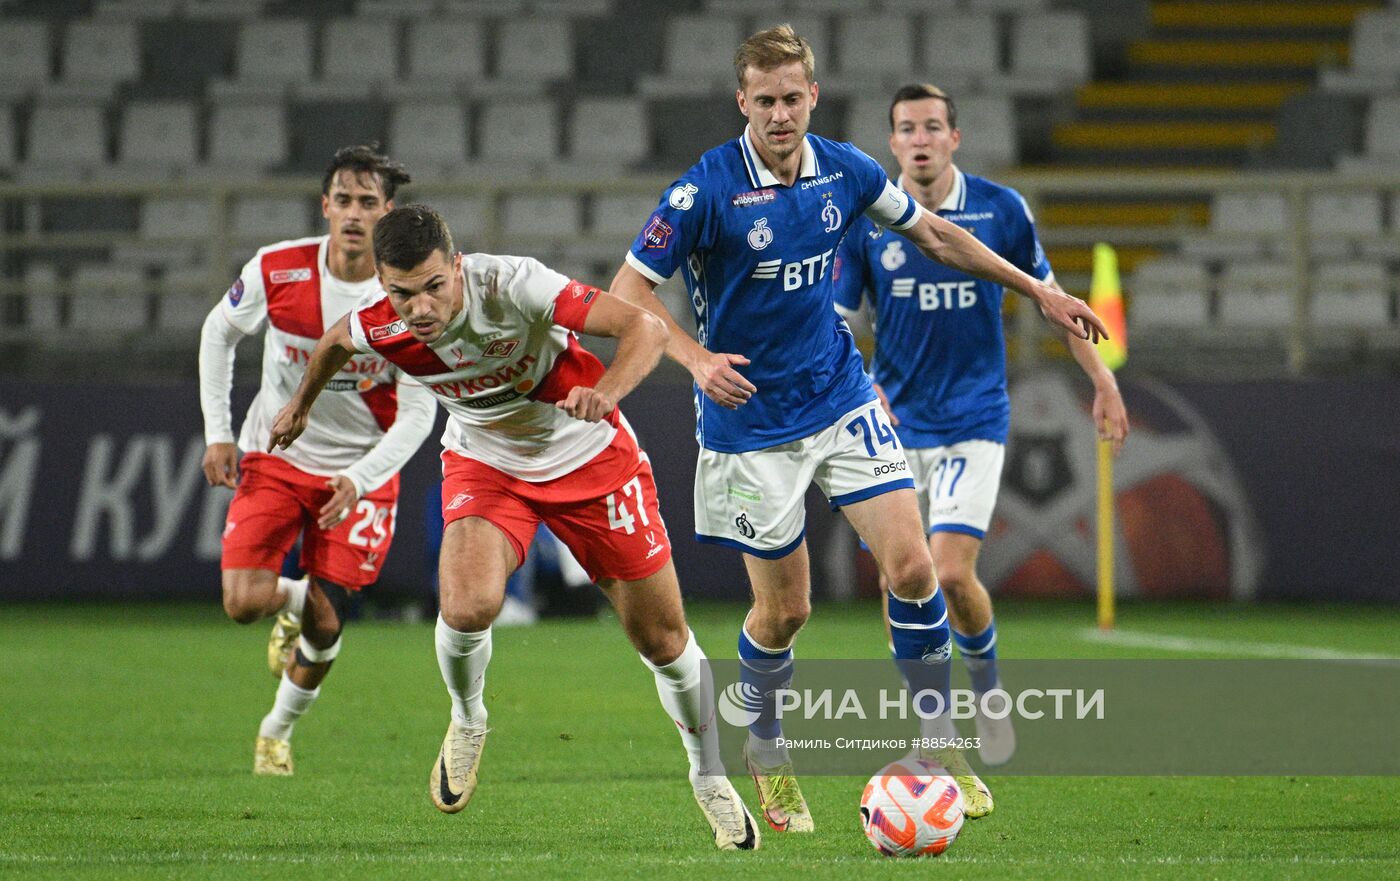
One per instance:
(294, 595)
(462, 658)
(292, 701)
(687, 692)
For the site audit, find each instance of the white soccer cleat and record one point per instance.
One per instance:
(733, 826)
(996, 738)
(454, 773)
(272, 757)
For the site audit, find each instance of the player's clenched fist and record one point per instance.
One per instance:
(721, 383)
(221, 465)
(1071, 313)
(586, 403)
(287, 427)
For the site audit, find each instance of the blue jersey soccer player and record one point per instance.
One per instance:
(782, 398)
(940, 363)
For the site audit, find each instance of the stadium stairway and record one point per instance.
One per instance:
(1201, 90)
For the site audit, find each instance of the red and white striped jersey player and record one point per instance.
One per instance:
(534, 435)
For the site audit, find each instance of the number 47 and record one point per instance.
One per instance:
(618, 515)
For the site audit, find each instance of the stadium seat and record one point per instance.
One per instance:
(185, 299)
(1169, 292)
(1257, 295)
(66, 136)
(357, 56)
(620, 217)
(430, 138)
(874, 51)
(1050, 51)
(608, 132)
(1243, 225)
(108, 298)
(1351, 294)
(24, 57)
(469, 219)
(8, 156)
(160, 136)
(522, 131)
(540, 217)
(262, 220)
(97, 57)
(960, 51)
(1337, 220)
(1375, 41)
(272, 54)
(533, 51)
(989, 141)
(248, 136)
(1383, 129)
(699, 56)
(43, 298)
(868, 127)
(444, 57)
(176, 217)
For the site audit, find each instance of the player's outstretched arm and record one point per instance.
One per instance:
(954, 246)
(332, 351)
(713, 372)
(641, 338)
(1110, 415)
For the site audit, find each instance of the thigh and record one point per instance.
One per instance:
(961, 482)
(617, 536)
(651, 612)
(476, 559)
(263, 521)
(860, 458)
(754, 501)
(352, 553)
(890, 527)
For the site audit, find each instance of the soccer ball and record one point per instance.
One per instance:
(911, 808)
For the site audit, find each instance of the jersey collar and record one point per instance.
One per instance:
(760, 176)
(956, 200)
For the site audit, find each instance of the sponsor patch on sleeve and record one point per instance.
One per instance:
(384, 331)
(657, 234)
(235, 293)
(289, 276)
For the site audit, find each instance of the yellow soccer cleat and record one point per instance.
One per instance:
(454, 773)
(977, 798)
(272, 757)
(730, 821)
(779, 796)
(285, 632)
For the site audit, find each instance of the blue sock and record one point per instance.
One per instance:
(766, 671)
(980, 654)
(922, 647)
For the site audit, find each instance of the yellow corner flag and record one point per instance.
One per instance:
(1106, 299)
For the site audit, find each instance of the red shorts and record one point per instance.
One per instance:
(276, 500)
(605, 512)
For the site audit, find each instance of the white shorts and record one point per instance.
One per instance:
(754, 501)
(957, 484)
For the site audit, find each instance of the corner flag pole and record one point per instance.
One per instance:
(1106, 299)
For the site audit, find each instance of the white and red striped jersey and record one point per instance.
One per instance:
(288, 291)
(501, 364)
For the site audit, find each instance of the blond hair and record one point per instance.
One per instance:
(772, 48)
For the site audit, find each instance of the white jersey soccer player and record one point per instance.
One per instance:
(781, 395)
(339, 490)
(534, 436)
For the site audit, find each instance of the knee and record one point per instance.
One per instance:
(911, 574)
(244, 601)
(955, 577)
(662, 646)
(470, 614)
(785, 618)
(322, 632)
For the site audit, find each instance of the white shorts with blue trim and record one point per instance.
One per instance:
(753, 501)
(957, 484)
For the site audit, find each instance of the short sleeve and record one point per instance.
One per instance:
(1023, 248)
(534, 287)
(848, 273)
(357, 332)
(679, 226)
(245, 302)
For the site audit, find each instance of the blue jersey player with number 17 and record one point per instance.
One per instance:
(782, 398)
(940, 365)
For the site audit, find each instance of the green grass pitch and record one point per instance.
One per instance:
(127, 733)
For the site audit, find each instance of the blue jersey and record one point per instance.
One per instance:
(940, 354)
(756, 257)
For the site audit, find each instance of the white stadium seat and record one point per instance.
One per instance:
(531, 217)
(445, 51)
(267, 219)
(1375, 41)
(957, 47)
(429, 134)
(171, 217)
(621, 216)
(1051, 46)
(1255, 213)
(24, 57)
(989, 139)
(608, 131)
(99, 55)
(868, 127)
(467, 217)
(271, 55)
(526, 131)
(160, 134)
(1352, 294)
(1257, 295)
(42, 298)
(1169, 292)
(537, 50)
(108, 298)
(701, 45)
(69, 135)
(248, 135)
(1383, 128)
(364, 52)
(876, 46)
(185, 299)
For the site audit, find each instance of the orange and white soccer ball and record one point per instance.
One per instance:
(911, 808)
